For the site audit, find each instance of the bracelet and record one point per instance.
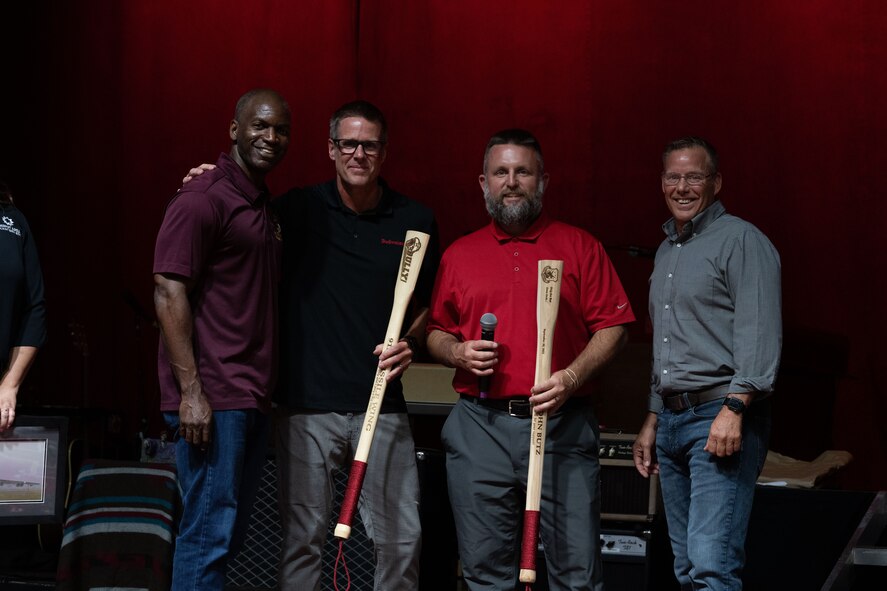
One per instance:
(412, 343)
(572, 376)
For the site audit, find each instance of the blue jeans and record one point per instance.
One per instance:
(218, 489)
(708, 499)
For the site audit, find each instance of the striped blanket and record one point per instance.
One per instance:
(120, 528)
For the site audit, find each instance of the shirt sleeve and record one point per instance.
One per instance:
(430, 264)
(753, 276)
(604, 302)
(33, 324)
(444, 313)
(187, 235)
(654, 398)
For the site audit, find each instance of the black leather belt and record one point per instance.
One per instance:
(686, 400)
(519, 406)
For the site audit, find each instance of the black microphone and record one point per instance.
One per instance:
(488, 324)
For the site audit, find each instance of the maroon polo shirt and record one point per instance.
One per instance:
(491, 271)
(219, 232)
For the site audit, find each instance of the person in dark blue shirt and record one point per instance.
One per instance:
(22, 306)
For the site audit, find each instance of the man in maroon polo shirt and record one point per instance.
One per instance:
(216, 268)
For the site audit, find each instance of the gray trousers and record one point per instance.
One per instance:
(487, 457)
(311, 446)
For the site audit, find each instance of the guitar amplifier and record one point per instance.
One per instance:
(625, 494)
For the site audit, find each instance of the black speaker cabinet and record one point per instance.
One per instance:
(625, 556)
(625, 552)
(256, 567)
(625, 494)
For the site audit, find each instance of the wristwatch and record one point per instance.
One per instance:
(412, 343)
(735, 404)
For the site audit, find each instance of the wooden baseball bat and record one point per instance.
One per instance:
(414, 247)
(548, 295)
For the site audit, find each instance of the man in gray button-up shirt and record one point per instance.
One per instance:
(715, 304)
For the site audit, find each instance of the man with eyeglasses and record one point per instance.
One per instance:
(715, 303)
(342, 243)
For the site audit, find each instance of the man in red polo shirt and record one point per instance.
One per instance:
(487, 439)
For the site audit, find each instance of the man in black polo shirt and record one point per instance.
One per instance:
(342, 242)
(342, 245)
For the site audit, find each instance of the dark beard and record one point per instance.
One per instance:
(522, 214)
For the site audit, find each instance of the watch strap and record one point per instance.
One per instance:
(735, 404)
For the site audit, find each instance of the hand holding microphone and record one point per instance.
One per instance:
(488, 323)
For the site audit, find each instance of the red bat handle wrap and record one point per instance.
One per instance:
(352, 493)
(528, 542)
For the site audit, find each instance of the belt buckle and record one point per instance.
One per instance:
(523, 412)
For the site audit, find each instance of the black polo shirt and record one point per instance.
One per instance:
(339, 274)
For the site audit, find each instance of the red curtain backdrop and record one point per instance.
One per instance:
(108, 104)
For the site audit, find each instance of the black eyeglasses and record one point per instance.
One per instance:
(693, 178)
(370, 147)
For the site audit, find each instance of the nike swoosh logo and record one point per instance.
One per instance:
(622, 306)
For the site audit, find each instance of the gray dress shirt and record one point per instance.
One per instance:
(715, 303)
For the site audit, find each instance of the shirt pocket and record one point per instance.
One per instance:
(694, 296)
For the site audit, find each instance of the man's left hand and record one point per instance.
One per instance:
(725, 435)
(551, 394)
(396, 358)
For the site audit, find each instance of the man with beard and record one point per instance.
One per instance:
(487, 438)
(216, 268)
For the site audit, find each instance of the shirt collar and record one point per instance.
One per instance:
(698, 224)
(530, 235)
(385, 206)
(256, 196)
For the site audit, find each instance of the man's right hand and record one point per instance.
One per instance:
(195, 172)
(195, 418)
(644, 448)
(478, 357)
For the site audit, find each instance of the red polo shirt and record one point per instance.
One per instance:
(491, 271)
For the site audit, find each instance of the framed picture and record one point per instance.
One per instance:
(32, 470)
